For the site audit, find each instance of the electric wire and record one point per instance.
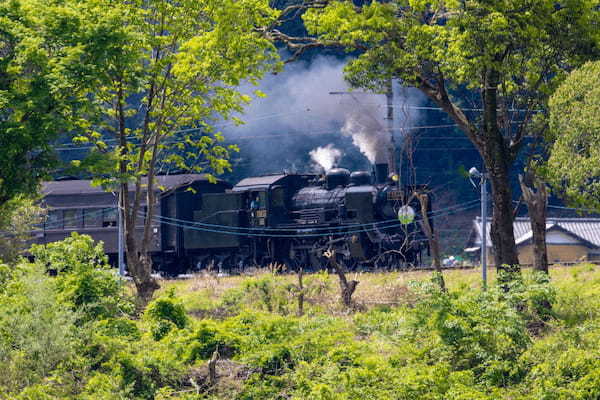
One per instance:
(574, 208)
(568, 208)
(441, 212)
(369, 224)
(279, 235)
(298, 235)
(73, 147)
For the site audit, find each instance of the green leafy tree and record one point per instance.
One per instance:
(18, 218)
(489, 65)
(173, 71)
(43, 81)
(574, 164)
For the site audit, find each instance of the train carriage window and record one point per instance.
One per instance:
(71, 218)
(92, 217)
(109, 217)
(54, 219)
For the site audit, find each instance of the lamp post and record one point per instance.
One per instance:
(120, 233)
(474, 173)
(121, 242)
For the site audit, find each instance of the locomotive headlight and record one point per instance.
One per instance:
(395, 177)
(406, 215)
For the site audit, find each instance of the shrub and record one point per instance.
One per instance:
(117, 327)
(70, 254)
(5, 276)
(37, 331)
(531, 294)
(84, 277)
(167, 308)
(207, 337)
(268, 293)
(475, 327)
(165, 314)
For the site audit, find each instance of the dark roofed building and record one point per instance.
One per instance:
(568, 240)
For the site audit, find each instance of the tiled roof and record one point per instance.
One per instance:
(586, 228)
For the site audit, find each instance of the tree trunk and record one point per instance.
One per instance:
(535, 195)
(502, 232)
(347, 288)
(498, 160)
(431, 237)
(212, 368)
(498, 156)
(140, 267)
(300, 291)
(139, 262)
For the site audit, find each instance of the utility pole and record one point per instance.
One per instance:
(474, 173)
(120, 239)
(389, 95)
(484, 229)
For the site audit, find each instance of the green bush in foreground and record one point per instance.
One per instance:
(74, 336)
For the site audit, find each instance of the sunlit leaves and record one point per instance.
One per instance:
(38, 93)
(574, 165)
(164, 74)
(523, 40)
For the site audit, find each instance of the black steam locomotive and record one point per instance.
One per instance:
(288, 219)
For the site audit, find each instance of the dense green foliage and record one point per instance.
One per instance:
(574, 165)
(38, 91)
(74, 336)
(18, 217)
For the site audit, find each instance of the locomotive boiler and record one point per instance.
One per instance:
(292, 219)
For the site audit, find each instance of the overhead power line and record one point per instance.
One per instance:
(369, 224)
(226, 230)
(74, 147)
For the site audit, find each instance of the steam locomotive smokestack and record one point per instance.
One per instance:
(381, 173)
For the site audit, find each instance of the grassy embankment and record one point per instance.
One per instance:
(204, 291)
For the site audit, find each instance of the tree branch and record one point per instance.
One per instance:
(439, 95)
(298, 45)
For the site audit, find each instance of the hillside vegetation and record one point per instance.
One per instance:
(75, 333)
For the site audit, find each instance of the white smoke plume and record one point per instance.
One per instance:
(310, 105)
(326, 157)
(364, 127)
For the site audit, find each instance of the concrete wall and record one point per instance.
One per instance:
(556, 253)
(563, 253)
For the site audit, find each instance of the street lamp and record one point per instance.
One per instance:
(474, 173)
(120, 238)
